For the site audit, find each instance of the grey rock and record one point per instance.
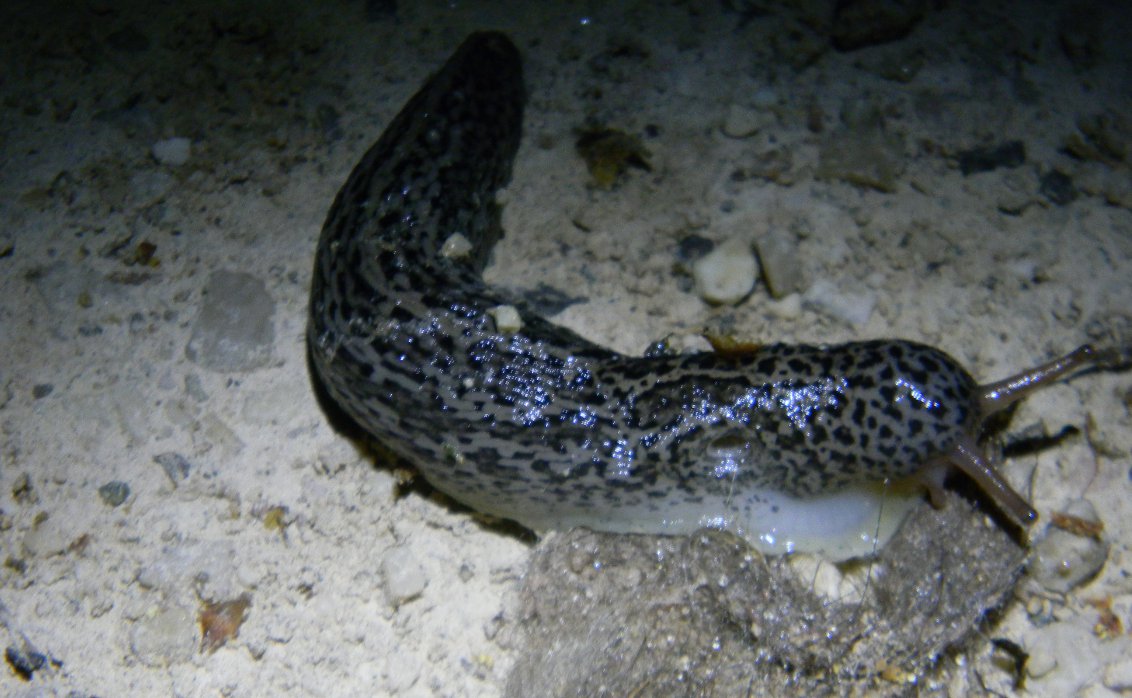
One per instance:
(604, 614)
(114, 493)
(233, 330)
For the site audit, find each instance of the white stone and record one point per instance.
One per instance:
(51, 536)
(853, 308)
(147, 186)
(405, 578)
(401, 672)
(456, 246)
(727, 274)
(1118, 675)
(173, 151)
(507, 319)
(689, 343)
(822, 576)
(165, 637)
(765, 97)
(1063, 561)
(788, 308)
(1023, 268)
(1040, 663)
(1060, 664)
(744, 122)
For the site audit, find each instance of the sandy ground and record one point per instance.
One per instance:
(237, 486)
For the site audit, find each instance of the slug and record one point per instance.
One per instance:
(797, 448)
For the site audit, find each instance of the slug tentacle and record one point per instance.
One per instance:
(1001, 394)
(966, 456)
(795, 447)
(997, 396)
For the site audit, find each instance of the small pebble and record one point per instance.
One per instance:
(764, 98)
(788, 308)
(194, 388)
(149, 186)
(51, 535)
(401, 672)
(214, 431)
(114, 492)
(233, 330)
(1040, 611)
(1062, 560)
(507, 319)
(743, 122)
(693, 247)
(405, 578)
(176, 466)
(853, 308)
(456, 247)
(172, 151)
(864, 155)
(1040, 663)
(778, 258)
(1017, 192)
(165, 638)
(1118, 675)
(689, 344)
(1023, 268)
(823, 577)
(727, 274)
(25, 662)
(1058, 187)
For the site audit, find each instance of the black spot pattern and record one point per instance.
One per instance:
(542, 423)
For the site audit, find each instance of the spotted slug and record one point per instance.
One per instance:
(794, 447)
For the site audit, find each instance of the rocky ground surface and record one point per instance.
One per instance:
(178, 517)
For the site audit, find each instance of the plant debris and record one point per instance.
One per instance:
(220, 621)
(609, 153)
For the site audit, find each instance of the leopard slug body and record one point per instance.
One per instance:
(794, 447)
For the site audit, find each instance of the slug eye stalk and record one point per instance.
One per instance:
(996, 396)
